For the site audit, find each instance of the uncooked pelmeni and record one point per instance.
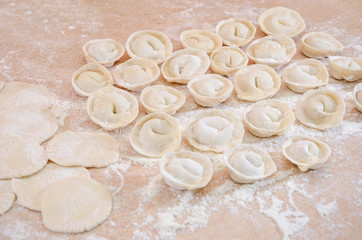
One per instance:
(103, 51)
(75, 205)
(149, 44)
(208, 90)
(268, 118)
(20, 156)
(320, 109)
(203, 40)
(249, 163)
(306, 152)
(29, 190)
(346, 68)
(320, 45)
(136, 73)
(274, 51)
(305, 74)
(186, 170)
(357, 96)
(215, 130)
(236, 31)
(183, 65)
(7, 196)
(281, 20)
(112, 108)
(91, 77)
(227, 60)
(38, 124)
(161, 98)
(85, 149)
(156, 134)
(256, 82)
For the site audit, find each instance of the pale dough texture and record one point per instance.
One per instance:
(320, 45)
(346, 68)
(7, 196)
(227, 60)
(236, 31)
(201, 40)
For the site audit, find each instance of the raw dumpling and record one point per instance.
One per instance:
(156, 134)
(281, 20)
(75, 205)
(305, 74)
(215, 130)
(85, 149)
(149, 44)
(103, 51)
(236, 31)
(203, 40)
(347, 68)
(20, 156)
(227, 60)
(186, 170)
(256, 82)
(320, 45)
(90, 78)
(112, 108)
(357, 96)
(30, 189)
(7, 196)
(320, 109)
(306, 152)
(249, 163)
(136, 73)
(274, 51)
(210, 89)
(160, 98)
(268, 118)
(183, 65)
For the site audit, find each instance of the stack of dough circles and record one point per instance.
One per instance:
(149, 44)
(7, 196)
(320, 45)
(86, 149)
(227, 60)
(357, 96)
(347, 68)
(112, 108)
(236, 31)
(201, 40)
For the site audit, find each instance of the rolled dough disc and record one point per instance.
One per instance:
(7, 196)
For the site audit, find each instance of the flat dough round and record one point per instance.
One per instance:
(75, 205)
(227, 60)
(29, 190)
(85, 149)
(320, 45)
(203, 40)
(357, 96)
(20, 157)
(236, 31)
(7, 196)
(37, 124)
(346, 68)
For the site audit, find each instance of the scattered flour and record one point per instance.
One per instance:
(324, 209)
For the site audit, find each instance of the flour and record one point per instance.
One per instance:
(324, 209)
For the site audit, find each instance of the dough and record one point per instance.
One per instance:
(201, 40)
(29, 190)
(320, 45)
(227, 60)
(236, 31)
(75, 205)
(347, 68)
(357, 96)
(7, 196)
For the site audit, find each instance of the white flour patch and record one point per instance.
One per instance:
(324, 209)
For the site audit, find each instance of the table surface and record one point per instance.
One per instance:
(41, 43)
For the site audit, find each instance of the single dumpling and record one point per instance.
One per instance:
(305, 74)
(357, 96)
(346, 68)
(320, 45)
(227, 60)
(203, 40)
(210, 89)
(186, 170)
(236, 31)
(306, 152)
(248, 163)
(256, 82)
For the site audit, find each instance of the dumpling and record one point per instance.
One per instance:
(320, 45)
(256, 82)
(249, 163)
(91, 77)
(210, 89)
(136, 73)
(112, 108)
(160, 98)
(357, 96)
(347, 68)
(203, 40)
(227, 60)
(7, 196)
(274, 51)
(186, 170)
(281, 20)
(320, 109)
(183, 65)
(236, 31)
(215, 130)
(306, 152)
(103, 51)
(156, 134)
(149, 44)
(305, 74)
(268, 118)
